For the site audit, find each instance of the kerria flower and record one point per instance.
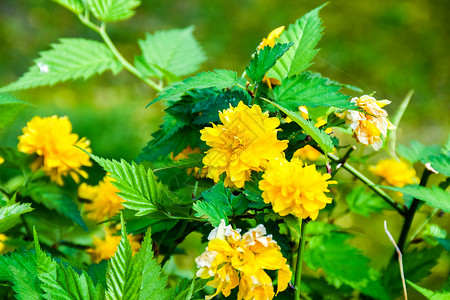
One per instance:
(2, 244)
(394, 172)
(52, 140)
(234, 260)
(106, 247)
(307, 153)
(369, 127)
(245, 142)
(2, 160)
(105, 202)
(294, 188)
(270, 41)
(195, 171)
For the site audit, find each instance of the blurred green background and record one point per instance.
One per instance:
(385, 46)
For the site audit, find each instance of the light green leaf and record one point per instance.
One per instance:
(218, 79)
(211, 210)
(305, 33)
(72, 58)
(74, 5)
(429, 294)
(417, 151)
(312, 90)
(364, 203)
(320, 136)
(264, 60)
(10, 107)
(440, 163)
(112, 10)
(10, 215)
(434, 196)
(137, 186)
(167, 52)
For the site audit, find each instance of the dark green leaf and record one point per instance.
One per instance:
(188, 287)
(210, 210)
(112, 10)
(10, 107)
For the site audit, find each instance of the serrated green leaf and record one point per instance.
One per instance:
(10, 215)
(312, 90)
(440, 163)
(222, 197)
(112, 10)
(170, 52)
(137, 186)
(364, 203)
(264, 60)
(186, 288)
(305, 33)
(434, 196)
(74, 5)
(54, 197)
(210, 210)
(218, 79)
(429, 294)
(417, 151)
(193, 160)
(320, 136)
(10, 107)
(72, 58)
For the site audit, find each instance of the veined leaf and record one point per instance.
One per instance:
(10, 107)
(320, 136)
(417, 151)
(440, 163)
(305, 33)
(434, 196)
(211, 210)
(72, 58)
(10, 214)
(429, 294)
(364, 203)
(74, 5)
(312, 90)
(264, 60)
(112, 10)
(218, 79)
(170, 52)
(137, 186)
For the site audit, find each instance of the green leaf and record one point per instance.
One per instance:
(210, 210)
(185, 289)
(222, 197)
(10, 215)
(264, 60)
(440, 163)
(123, 276)
(112, 10)
(305, 33)
(427, 293)
(312, 90)
(364, 203)
(54, 197)
(417, 151)
(320, 136)
(170, 52)
(75, 6)
(137, 186)
(153, 286)
(218, 79)
(10, 107)
(193, 160)
(72, 58)
(434, 196)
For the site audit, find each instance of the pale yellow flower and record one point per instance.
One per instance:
(394, 172)
(369, 127)
(195, 171)
(52, 139)
(234, 260)
(294, 188)
(105, 202)
(2, 244)
(245, 142)
(106, 247)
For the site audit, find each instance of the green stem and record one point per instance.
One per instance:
(300, 255)
(411, 212)
(370, 184)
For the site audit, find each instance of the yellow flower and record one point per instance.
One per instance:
(52, 139)
(2, 160)
(245, 142)
(368, 128)
(307, 153)
(2, 245)
(234, 260)
(394, 172)
(184, 155)
(270, 40)
(105, 202)
(105, 248)
(295, 189)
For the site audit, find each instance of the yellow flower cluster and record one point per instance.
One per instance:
(234, 260)
(195, 171)
(294, 188)
(394, 172)
(106, 247)
(245, 142)
(105, 202)
(52, 139)
(368, 127)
